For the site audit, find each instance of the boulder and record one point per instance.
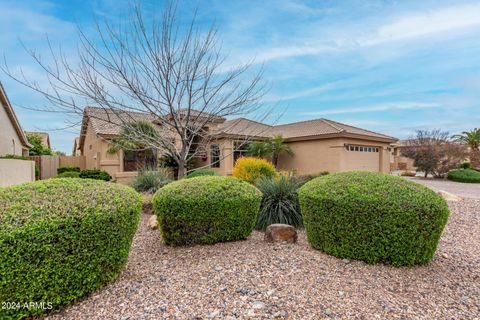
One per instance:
(153, 222)
(280, 233)
(449, 196)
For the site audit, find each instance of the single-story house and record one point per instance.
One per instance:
(43, 135)
(317, 145)
(12, 138)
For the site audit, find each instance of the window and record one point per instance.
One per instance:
(134, 160)
(215, 156)
(350, 147)
(240, 150)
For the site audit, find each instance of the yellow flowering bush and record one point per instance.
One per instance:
(250, 169)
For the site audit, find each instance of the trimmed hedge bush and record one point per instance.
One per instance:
(202, 172)
(373, 217)
(68, 169)
(464, 175)
(251, 169)
(206, 210)
(95, 174)
(61, 239)
(69, 174)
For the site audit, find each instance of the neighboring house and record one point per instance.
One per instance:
(44, 135)
(76, 147)
(318, 145)
(12, 137)
(398, 161)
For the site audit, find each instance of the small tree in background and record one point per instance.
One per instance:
(38, 148)
(433, 152)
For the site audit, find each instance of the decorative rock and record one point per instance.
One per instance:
(153, 222)
(449, 196)
(258, 305)
(214, 314)
(280, 233)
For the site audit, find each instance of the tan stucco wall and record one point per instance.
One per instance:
(14, 172)
(97, 156)
(314, 156)
(10, 142)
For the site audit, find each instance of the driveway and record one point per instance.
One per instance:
(465, 190)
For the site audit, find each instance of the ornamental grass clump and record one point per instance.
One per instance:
(279, 202)
(373, 217)
(251, 169)
(206, 210)
(61, 239)
(149, 180)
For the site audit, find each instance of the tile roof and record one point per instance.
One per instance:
(242, 126)
(319, 127)
(109, 122)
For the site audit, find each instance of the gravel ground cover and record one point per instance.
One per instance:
(467, 190)
(255, 280)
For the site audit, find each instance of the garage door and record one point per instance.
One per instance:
(361, 158)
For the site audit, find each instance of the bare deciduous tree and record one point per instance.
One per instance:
(434, 153)
(174, 73)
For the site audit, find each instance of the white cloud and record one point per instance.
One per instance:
(415, 25)
(379, 107)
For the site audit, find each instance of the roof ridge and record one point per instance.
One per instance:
(327, 121)
(243, 118)
(381, 134)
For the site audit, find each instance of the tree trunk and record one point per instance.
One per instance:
(182, 169)
(274, 160)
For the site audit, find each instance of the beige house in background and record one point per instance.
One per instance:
(318, 145)
(12, 138)
(44, 135)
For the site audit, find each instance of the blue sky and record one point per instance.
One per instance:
(388, 66)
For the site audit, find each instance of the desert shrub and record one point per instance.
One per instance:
(373, 217)
(202, 172)
(279, 202)
(150, 180)
(250, 169)
(95, 174)
(464, 175)
(68, 169)
(69, 174)
(206, 210)
(61, 239)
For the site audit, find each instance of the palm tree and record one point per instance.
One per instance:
(271, 148)
(279, 147)
(137, 136)
(260, 149)
(471, 138)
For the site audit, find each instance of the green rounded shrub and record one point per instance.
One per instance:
(206, 210)
(373, 217)
(464, 175)
(95, 174)
(61, 239)
(202, 172)
(69, 174)
(68, 169)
